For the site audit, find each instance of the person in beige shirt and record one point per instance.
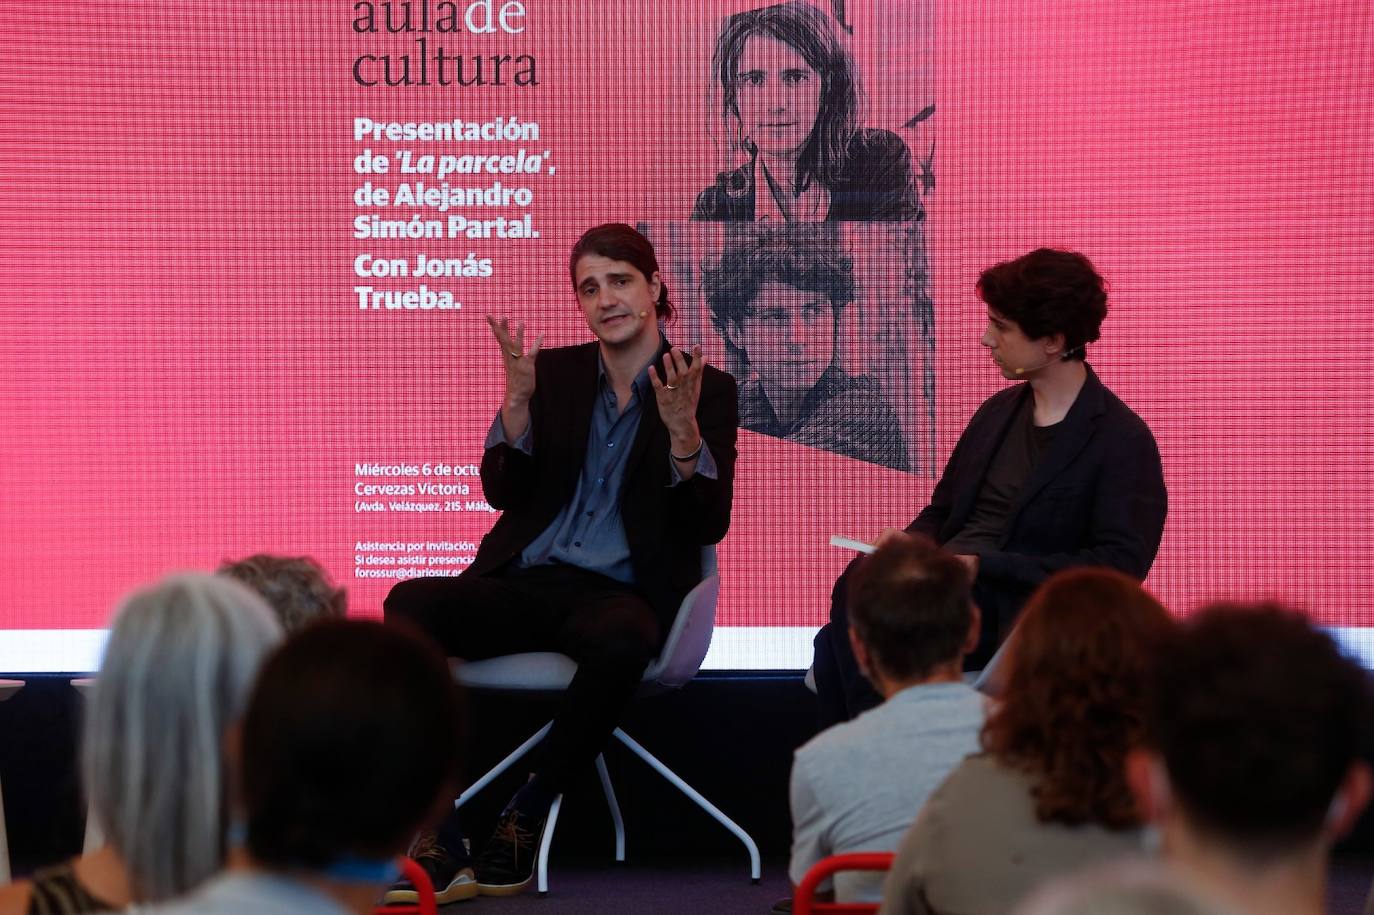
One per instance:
(1048, 795)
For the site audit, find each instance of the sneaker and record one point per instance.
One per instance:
(452, 875)
(506, 864)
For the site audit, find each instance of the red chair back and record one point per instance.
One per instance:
(804, 900)
(420, 880)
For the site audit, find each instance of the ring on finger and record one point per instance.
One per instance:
(670, 387)
(514, 353)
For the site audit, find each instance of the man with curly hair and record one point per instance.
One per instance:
(776, 297)
(297, 587)
(1050, 474)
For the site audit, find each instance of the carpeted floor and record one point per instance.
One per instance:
(722, 887)
(713, 887)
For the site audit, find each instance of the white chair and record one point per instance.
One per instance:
(7, 690)
(549, 672)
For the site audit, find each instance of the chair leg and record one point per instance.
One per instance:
(695, 795)
(4, 843)
(614, 806)
(543, 883)
(502, 766)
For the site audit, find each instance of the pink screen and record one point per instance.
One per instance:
(189, 372)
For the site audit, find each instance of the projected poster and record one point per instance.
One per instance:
(250, 248)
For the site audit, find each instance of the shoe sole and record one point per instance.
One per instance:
(454, 892)
(504, 889)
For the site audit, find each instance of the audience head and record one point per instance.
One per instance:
(1079, 661)
(1048, 292)
(349, 746)
(296, 587)
(911, 610)
(180, 661)
(1255, 721)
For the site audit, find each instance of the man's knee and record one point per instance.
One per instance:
(404, 600)
(424, 603)
(821, 640)
(839, 597)
(622, 640)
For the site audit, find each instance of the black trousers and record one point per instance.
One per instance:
(842, 691)
(607, 627)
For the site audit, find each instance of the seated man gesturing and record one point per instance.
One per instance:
(613, 464)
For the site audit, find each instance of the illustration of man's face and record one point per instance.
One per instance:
(788, 336)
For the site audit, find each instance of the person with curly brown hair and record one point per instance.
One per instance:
(1053, 473)
(1048, 794)
(776, 298)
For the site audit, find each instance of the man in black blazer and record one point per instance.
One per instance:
(1050, 474)
(613, 465)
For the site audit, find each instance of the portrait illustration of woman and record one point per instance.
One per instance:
(789, 103)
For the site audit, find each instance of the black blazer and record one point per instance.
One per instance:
(1097, 497)
(666, 526)
(877, 186)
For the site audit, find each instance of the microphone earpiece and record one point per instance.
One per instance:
(643, 314)
(1062, 357)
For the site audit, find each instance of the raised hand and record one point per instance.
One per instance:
(677, 387)
(519, 367)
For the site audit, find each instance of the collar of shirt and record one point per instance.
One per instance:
(920, 692)
(637, 387)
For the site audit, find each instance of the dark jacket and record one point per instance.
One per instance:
(1096, 498)
(877, 185)
(666, 526)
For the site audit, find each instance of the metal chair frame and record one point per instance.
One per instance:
(682, 654)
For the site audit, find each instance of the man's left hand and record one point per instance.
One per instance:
(970, 562)
(677, 387)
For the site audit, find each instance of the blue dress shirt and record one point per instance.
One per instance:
(588, 532)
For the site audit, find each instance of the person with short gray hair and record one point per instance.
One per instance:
(180, 661)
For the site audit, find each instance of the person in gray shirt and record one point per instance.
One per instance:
(859, 785)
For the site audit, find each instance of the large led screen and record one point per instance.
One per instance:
(249, 248)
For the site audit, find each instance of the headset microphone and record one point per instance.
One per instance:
(1062, 357)
(1034, 368)
(643, 314)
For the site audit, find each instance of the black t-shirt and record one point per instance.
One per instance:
(1021, 449)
